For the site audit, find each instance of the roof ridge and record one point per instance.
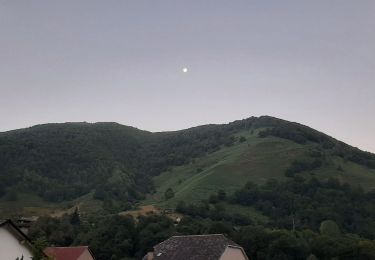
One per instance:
(181, 236)
(65, 246)
(203, 235)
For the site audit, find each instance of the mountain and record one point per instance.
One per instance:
(116, 165)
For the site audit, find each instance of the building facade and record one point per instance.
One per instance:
(14, 244)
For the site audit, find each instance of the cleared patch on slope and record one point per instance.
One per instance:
(256, 159)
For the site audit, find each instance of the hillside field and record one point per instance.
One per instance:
(256, 160)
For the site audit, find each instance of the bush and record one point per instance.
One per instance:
(169, 193)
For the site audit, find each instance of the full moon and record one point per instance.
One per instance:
(184, 70)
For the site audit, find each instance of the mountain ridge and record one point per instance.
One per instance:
(113, 123)
(118, 164)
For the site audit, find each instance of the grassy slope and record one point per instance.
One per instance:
(26, 204)
(354, 174)
(229, 168)
(256, 160)
(33, 205)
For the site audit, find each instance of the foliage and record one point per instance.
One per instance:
(75, 219)
(329, 228)
(242, 139)
(61, 162)
(297, 133)
(37, 250)
(169, 193)
(110, 237)
(12, 195)
(221, 195)
(118, 237)
(57, 231)
(264, 243)
(302, 134)
(302, 165)
(310, 202)
(152, 230)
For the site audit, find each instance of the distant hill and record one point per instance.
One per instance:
(257, 160)
(118, 165)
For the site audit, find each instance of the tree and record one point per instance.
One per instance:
(37, 250)
(181, 207)
(213, 199)
(329, 228)
(286, 246)
(111, 237)
(221, 195)
(74, 219)
(312, 257)
(169, 193)
(254, 240)
(220, 228)
(12, 195)
(151, 231)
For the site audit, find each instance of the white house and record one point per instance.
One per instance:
(13, 242)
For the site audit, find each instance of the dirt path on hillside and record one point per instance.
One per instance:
(149, 210)
(62, 212)
(141, 211)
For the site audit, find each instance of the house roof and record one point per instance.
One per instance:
(16, 231)
(66, 253)
(196, 247)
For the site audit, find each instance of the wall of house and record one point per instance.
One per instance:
(10, 247)
(85, 256)
(233, 253)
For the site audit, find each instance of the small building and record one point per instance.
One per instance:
(197, 247)
(13, 242)
(69, 253)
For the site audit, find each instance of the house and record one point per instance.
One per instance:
(197, 247)
(13, 242)
(69, 253)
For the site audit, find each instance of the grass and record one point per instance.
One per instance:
(26, 205)
(352, 173)
(32, 205)
(229, 168)
(256, 160)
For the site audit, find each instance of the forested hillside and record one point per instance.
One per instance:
(61, 162)
(117, 164)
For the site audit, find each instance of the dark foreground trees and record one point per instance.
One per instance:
(120, 237)
(309, 202)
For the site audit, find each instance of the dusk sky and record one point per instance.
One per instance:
(310, 61)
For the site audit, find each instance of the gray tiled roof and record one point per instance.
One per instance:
(198, 247)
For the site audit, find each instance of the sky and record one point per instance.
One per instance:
(311, 62)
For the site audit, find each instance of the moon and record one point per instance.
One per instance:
(184, 70)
